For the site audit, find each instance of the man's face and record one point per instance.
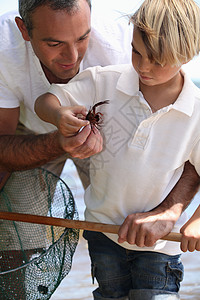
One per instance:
(60, 40)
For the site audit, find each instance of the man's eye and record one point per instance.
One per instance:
(83, 38)
(53, 44)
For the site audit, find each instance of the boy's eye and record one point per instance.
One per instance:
(135, 51)
(155, 63)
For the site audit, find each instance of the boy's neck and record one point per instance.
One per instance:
(159, 96)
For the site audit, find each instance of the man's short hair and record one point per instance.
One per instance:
(27, 7)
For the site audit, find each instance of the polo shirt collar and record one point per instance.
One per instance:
(186, 100)
(128, 83)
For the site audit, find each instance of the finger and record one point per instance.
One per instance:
(75, 121)
(192, 245)
(72, 144)
(149, 241)
(131, 236)
(96, 140)
(79, 111)
(140, 238)
(83, 135)
(184, 244)
(69, 129)
(93, 145)
(123, 231)
(198, 245)
(128, 231)
(150, 238)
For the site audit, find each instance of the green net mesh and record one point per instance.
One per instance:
(35, 258)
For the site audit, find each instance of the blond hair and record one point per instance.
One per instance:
(170, 30)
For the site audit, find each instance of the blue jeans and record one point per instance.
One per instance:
(126, 274)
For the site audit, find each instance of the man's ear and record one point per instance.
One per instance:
(22, 28)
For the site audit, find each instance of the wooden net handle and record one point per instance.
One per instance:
(84, 225)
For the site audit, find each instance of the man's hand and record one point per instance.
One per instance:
(144, 229)
(23, 152)
(85, 144)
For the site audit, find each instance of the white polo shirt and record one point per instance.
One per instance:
(144, 152)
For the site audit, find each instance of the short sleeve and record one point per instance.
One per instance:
(81, 90)
(7, 97)
(195, 157)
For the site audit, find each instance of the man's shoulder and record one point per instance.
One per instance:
(13, 47)
(110, 42)
(10, 36)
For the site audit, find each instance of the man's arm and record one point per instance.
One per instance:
(144, 229)
(29, 151)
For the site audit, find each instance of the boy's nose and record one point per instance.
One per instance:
(144, 65)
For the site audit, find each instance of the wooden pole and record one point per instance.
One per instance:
(93, 226)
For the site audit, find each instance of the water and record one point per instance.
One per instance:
(78, 284)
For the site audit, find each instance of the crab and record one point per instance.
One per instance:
(96, 118)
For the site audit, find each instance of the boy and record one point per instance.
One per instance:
(151, 129)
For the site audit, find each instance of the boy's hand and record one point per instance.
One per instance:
(191, 233)
(70, 120)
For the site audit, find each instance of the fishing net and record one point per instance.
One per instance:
(35, 258)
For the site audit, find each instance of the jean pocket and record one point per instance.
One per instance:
(175, 271)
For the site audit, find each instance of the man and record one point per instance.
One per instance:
(60, 58)
(52, 42)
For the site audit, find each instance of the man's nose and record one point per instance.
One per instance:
(70, 53)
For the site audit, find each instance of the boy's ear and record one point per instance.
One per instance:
(22, 28)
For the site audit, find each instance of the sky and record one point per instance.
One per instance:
(114, 8)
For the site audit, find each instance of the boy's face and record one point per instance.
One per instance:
(150, 73)
(60, 40)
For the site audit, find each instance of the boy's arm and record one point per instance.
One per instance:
(46, 107)
(68, 119)
(144, 229)
(191, 233)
